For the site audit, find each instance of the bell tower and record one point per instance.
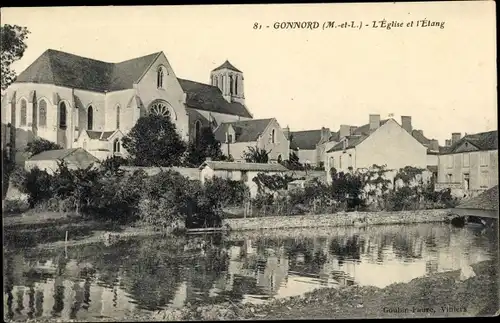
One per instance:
(229, 80)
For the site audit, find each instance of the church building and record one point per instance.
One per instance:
(81, 102)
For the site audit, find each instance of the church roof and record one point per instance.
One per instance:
(69, 70)
(246, 131)
(209, 98)
(73, 71)
(227, 65)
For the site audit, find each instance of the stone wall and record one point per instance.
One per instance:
(191, 173)
(338, 219)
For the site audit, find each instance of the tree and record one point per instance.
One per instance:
(40, 145)
(154, 141)
(12, 46)
(202, 147)
(256, 155)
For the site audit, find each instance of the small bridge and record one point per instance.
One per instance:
(485, 205)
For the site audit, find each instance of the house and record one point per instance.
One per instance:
(102, 144)
(60, 96)
(470, 165)
(236, 137)
(48, 160)
(311, 145)
(239, 171)
(380, 142)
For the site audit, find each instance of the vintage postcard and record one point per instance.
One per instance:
(250, 162)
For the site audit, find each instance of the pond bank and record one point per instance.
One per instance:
(338, 219)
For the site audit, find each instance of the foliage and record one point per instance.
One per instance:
(13, 45)
(293, 162)
(111, 165)
(225, 192)
(154, 141)
(347, 188)
(256, 155)
(8, 166)
(40, 145)
(408, 174)
(272, 182)
(204, 146)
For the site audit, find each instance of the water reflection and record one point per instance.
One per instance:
(96, 281)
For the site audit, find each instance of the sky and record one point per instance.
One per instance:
(307, 79)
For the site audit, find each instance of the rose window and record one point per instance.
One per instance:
(163, 109)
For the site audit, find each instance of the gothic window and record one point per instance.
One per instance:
(340, 162)
(116, 146)
(197, 130)
(62, 116)
(273, 136)
(90, 118)
(280, 159)
(236, 85)
(42, 113)
(22, 121)
(85, 144)
(164, 109)
(118, 117)
(159, 78)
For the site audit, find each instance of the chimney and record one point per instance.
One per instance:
(447, 142)
(406, 123)
(455, 136)
(325, 134)
(286, 132)
(344, 131)
(420, 132)
(374, 121)
(434, 145)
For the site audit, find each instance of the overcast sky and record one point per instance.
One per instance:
(444, 78)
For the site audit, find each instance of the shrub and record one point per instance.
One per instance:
(40, 145)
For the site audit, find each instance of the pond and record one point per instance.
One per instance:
(143, 275)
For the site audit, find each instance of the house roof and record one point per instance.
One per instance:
(488, 200)
(482, 140)
(365, 129)
(100, 135)
(246, 131)
(263, 167)
(305, 140)
(420, 137)
(69, 70)
(228, 66)
(58, 154)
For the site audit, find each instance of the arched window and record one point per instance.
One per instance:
(197, 130)
(116, 146)
(42, 113)
(340, 162)
(159, 77)
(90, 118)
(236, 85)
(231, 85)
(118, 117)
(163, 108)
(273, 136)
(62, 115)
(22, 120)
(280, 159)
(85, 144)
(332, 162)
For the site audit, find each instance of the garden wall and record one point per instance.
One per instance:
(339, 219)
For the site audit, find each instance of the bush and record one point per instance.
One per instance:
(40, 145)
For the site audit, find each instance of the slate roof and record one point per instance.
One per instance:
(58, 154)
(306, 140)
(420, 137)
(96, 135)
(488, 200)
(209, 98)
(246, 131)
(227, 65)
(69, 70)
(483, 141)
(220, 165)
